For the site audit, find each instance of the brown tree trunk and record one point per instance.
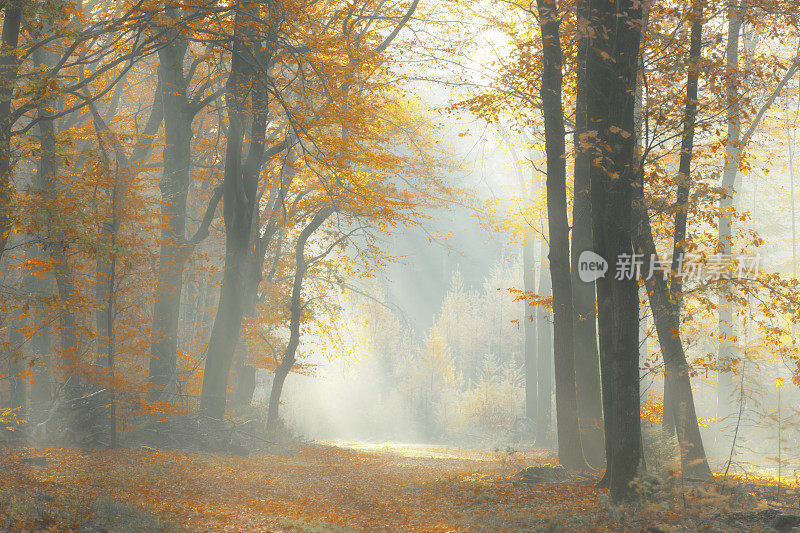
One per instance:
(245, 384)
(18, 389)
(727, 355)
(174, 187)
(666, 302)
(679, 409)
(55, 241)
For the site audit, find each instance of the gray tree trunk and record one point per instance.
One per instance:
(611, 67)
(587, 359)
(570, 452)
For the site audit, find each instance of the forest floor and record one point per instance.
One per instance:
(347, 487)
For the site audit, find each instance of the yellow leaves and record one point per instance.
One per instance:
(9, 419)
(652, 408)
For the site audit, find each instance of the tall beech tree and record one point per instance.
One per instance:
(570, 452)
(296, 306)
(666, 299)
(587, 360)
(737, 141)
(180, 109)
(611, 71)
(9, 71)
(544, 352)
(255, 42)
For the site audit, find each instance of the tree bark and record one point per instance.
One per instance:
(666, 302)
(240, 184)
(544, 367)
(611, 67)
(529, 281)
(587, 360)
(680, 408)
(54, 239)
(9, 71)
(174, 187)
(296, 307)
(570, 452)
(726, 404)
(18, 389)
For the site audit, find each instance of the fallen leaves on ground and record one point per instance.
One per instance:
(336, 488)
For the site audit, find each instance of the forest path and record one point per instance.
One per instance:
(319, 487)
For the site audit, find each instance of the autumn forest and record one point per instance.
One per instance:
(299, 265)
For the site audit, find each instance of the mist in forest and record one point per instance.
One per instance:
(257, 251)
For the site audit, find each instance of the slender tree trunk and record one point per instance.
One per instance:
(570, 452)
(107, 272)
(245, 384)
(69, 324)
(679, 411)
(55, 242)
(529, 280)
(544, 367)
(587, 360)
(611, 67)
(678, 390)
(18, 390)
(296, 311)
(726, 404)
(9, 70)
(41, 392)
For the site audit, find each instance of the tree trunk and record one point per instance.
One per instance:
(666, 302)
(245, 384)
(530, 322)
(726, 404)
(55, 242)
(9, 70)
(611, 68)
(570, 453)
(296, 310)
(240, 184)
(18, 390)
(544, 368)
(587, 360)
(41, 392)
(281, 371)
(679, 410)
(174, 187)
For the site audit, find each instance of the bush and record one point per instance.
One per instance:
(661, 452)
